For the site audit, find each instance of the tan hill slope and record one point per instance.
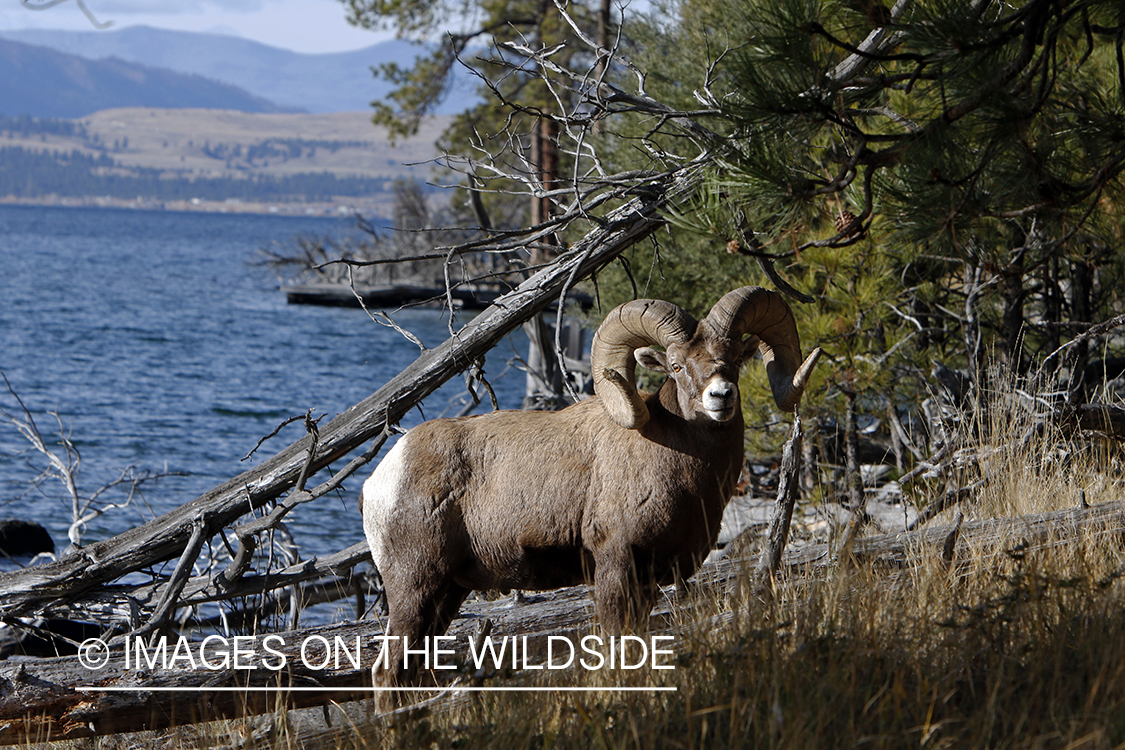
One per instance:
(218, 142)
(206, 144)
(223, 142)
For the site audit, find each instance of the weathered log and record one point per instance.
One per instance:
(1036, 530)
(44, 698)
(130, 603)
(23, 591)
(778, 533)
(52, 699)
(57, 698)
(1108, 419)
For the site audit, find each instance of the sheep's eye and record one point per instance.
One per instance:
(676, 367)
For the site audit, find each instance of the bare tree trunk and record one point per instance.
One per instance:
(778, 533)
(1081, 285)
(1052, 303)
(853, 476)
(544, 375)
(1012, 321)
(809, 458)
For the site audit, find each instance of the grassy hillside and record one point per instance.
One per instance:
(217, 143)
(205, 147)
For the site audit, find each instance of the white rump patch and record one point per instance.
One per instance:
(380, 495)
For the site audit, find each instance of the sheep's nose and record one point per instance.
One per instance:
(720, 400)
(721, 391)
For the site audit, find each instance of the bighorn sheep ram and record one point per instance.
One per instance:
(626, 487)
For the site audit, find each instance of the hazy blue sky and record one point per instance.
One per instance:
(300, 25)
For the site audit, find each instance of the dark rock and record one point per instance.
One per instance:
(19, 538)
(46, 638)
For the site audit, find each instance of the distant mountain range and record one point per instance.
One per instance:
(288, 81)
(45, 83)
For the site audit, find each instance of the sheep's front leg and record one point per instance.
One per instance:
(621, 601)
(407, 624)
(611, 579)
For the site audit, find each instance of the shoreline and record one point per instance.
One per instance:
(341, 207)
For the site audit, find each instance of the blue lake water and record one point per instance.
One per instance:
(161, 347)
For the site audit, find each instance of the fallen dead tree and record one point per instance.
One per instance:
(1038, 530)
(24, 591)
(126, 603)
(50, 698)
(58, 698)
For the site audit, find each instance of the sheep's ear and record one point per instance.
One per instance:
(750, 345)
(652, 359)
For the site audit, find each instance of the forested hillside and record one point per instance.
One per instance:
(33, 174)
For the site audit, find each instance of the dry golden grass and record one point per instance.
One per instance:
(1010, 645)
(1020, 651)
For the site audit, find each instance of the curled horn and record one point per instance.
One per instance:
(765, 314)
(642, 322)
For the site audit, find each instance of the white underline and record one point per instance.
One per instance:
(314, 689)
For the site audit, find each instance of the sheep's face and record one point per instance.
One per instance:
(705, 372)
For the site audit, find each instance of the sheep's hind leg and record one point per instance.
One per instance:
(410, 617)
(611, 581)
(418, 613)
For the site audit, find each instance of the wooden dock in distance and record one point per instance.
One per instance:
(395, 295)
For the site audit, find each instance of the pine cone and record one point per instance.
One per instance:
(847, 224)
(733, 247)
